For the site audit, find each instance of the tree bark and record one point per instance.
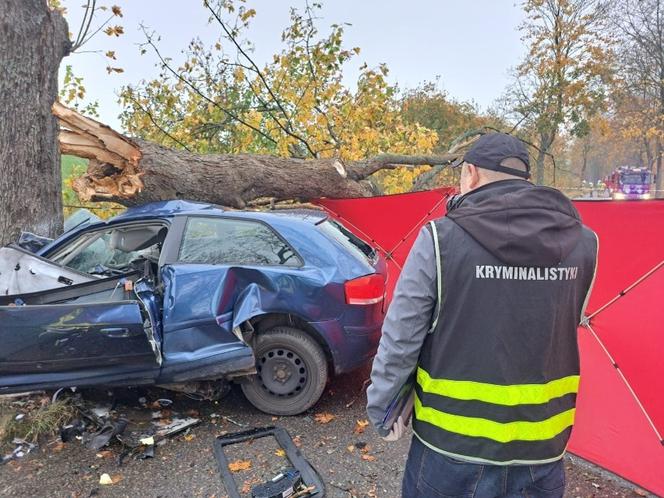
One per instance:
(658, 169)
(132, 171)
(33, 39)
(546, 141)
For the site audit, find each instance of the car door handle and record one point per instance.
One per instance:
(61, 330)
(116, 332)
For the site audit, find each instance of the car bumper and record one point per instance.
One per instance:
(350, 346)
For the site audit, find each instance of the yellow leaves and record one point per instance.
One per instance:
(324, 418)
(110, 54)
(308, 97)
(239, 465)
(360, 426)
(114, 30)
(238, 74)
(280, 453)
(247, 14)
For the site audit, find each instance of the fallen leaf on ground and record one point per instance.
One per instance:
(350, 448)
(297, 441)
(368, 458)
(364, 449)
(324, 418)
(640, 492)
(105, 454)
(280, 453)
(107, 480)
(189, 437)
(59, 446)
(360, 426)
(239, 465)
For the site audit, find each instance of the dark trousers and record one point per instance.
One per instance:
(430, 474)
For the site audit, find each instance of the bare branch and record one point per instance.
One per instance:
(230, 114)
(154, 122)
(288, 127)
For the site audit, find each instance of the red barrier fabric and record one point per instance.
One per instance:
(620, 412)
(390, 223)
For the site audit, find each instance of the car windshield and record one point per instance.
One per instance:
(349, 240)
(114, 250)
(636, 178)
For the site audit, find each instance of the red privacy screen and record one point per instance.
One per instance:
(620, 413)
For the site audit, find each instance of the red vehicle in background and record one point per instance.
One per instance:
(628, 182)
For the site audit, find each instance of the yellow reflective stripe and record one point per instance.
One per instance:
(517, 394)
(501, 432)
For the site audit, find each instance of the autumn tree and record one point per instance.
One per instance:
(220, 100)
(641, 95)
(560, 83)
(430, 106)
(34, 38)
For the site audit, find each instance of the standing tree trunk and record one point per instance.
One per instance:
(658, 168)
(539, 174)
(33, 40)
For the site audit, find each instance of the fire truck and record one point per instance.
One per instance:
(627, 182)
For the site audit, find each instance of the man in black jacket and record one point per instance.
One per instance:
(508, 271)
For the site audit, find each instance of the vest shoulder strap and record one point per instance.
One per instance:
(439, 277)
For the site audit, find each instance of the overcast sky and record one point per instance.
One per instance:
(471, 46)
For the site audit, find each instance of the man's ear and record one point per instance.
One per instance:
(474, 175)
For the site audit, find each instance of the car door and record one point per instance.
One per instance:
(102, 331)
(215, 260)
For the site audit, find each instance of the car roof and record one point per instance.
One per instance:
(169, 209)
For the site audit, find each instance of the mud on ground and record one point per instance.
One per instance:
(352, 460)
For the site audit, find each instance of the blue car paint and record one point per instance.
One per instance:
(203, 304)
(72, 336)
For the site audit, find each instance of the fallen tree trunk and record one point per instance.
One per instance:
(132, 171)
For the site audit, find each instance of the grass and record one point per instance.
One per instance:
(42, 419)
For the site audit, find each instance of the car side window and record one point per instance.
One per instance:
(112, 250)
(229, 241)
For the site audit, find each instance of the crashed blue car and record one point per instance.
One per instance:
(191, 297)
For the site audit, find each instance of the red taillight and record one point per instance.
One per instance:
(365, 290)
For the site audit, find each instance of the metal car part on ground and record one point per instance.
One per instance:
(312, 482)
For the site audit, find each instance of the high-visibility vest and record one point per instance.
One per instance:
(499, 373)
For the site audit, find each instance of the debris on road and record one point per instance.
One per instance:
(21, 449)
(104, 435)
(175, 426)
(300, 480)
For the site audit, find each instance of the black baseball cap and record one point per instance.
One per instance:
(492, 149)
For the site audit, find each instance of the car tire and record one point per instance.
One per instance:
(291, 372)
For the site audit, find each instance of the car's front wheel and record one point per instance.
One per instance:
(291, 372)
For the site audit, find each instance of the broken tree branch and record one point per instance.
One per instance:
(133, 171)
